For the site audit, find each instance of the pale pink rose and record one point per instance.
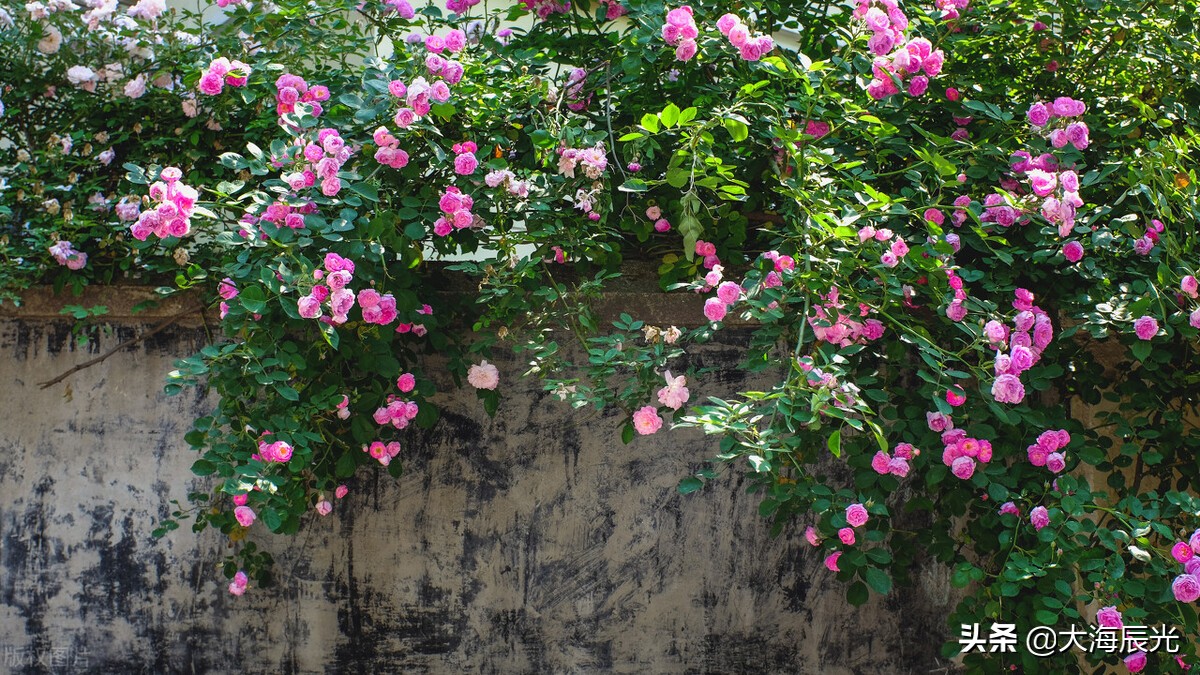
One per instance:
(675, 394)
(646, 420)
(324, 507)
(484, 375)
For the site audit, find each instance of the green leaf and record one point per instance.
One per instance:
(415, 230)
(690, 485)
(634, 185)
(669, 115)
(272, 519)
(1141, 350)
(835, 443)
(253, 299)
(878, 580)
(367, 190)
(346, 465)
(737, 128)
(650, 123)
(203, 467)
(287, 392)
(627, 433)
(857, 594)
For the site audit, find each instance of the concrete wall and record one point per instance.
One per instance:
(534, 542)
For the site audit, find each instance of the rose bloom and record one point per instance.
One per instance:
(1109, 617)
(483, 376)
(647, 421)
(856, 515)
(1146, 327)
(1186, 588)
(1182, 552)
(1039, 517)
(245, 515)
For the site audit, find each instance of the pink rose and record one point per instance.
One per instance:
(1146, 327)
(1109, 617)
(1008, 389)
(955, 396)
(714, 309)
(846, 535)
(856, 515)
(1039, 517)
(1038, 115)
(484, 375)
(646, 420)
(1073, 251)
(406, 382)
(1189, 286)
(1182, 552)
(244, 515)
(309, 307)
(1055, 462)
(881, 463)
(324, 507)
(729, 292)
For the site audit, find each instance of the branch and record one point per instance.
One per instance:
(161, 326)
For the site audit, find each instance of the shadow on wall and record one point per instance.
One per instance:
(532, 542)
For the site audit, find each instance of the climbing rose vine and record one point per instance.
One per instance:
(957, 236)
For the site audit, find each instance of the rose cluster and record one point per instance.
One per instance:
(292, 89)
(382, 452)
(1046, 451)
(388, 152)
(320, 159)
(508, 180)
(275, 452)
(337, 274)
(1144, 244)
(220, 72)
(64, 253)
(751, 48)
(1052, 120)
(172, 213)
(1032, 332)
(1188, 286)
(680, 32)
(962, 453)
(897, 463)
(1186, 586)
(831, 325)
(544, 8)
(594, 161)
(465, 161)
(896, 58)
(456, 212)
(417, 96)
(895, 251)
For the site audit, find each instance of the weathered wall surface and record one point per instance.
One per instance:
(532, 542)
